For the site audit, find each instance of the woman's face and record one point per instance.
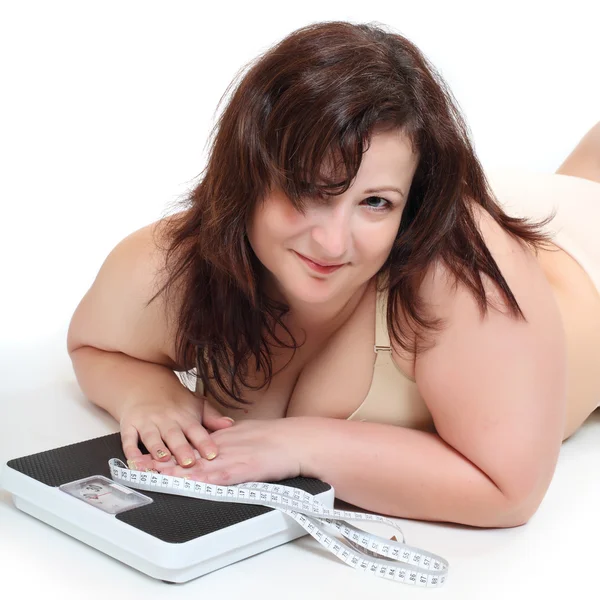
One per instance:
(352, 234)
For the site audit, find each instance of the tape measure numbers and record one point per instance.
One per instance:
(366, 552)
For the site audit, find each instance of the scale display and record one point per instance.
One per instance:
(105, 494)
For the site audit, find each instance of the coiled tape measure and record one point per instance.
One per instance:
(367, 552)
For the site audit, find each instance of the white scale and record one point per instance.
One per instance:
(177, 529)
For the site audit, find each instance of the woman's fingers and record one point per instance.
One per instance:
(159, 466)
(153, 440)
(129, 442)
(178, 441)
(213, 419)
(174, 442)
(168, 438)
(200, 439)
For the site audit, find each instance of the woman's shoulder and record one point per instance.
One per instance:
(124, 310)
(466, 318)
(443, 293)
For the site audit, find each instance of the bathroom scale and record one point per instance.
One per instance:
(168, 537)
(176, 529)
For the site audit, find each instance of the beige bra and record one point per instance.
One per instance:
(393, 396)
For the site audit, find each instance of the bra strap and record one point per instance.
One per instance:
(382, 338)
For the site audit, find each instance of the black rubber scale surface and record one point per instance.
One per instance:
(173, 519)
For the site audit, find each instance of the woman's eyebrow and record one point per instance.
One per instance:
(387, 188)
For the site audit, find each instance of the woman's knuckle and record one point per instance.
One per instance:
(196, 429)
(172, 430)
(147, 432)
(158, 417)
(172, 415)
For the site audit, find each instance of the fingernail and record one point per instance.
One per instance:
(187, 461)
(211, 455)
(131, 465)
(229, 419)
(161, 453)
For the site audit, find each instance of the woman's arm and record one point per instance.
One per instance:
(401, 472)
(124, 356)
(496, 388)
(118, 346)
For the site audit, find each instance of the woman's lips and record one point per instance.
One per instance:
(319, 268)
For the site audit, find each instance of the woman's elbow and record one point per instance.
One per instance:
(516, 513)
(504, 511)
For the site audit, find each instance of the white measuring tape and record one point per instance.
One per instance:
(367, 552)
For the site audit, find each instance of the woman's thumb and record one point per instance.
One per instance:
(213, 419)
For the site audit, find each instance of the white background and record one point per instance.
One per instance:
(105, 108)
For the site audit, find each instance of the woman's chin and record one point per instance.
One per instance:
(308, 290)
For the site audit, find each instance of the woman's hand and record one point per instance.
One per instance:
(251, 450)
(170, 427)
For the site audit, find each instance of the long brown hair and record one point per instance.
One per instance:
(319, 94)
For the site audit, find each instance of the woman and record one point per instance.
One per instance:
(343, 263)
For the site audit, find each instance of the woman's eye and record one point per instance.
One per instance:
(378, 203)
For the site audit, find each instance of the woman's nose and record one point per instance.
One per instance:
(332, 232)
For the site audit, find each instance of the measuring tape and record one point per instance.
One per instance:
(369, 553)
